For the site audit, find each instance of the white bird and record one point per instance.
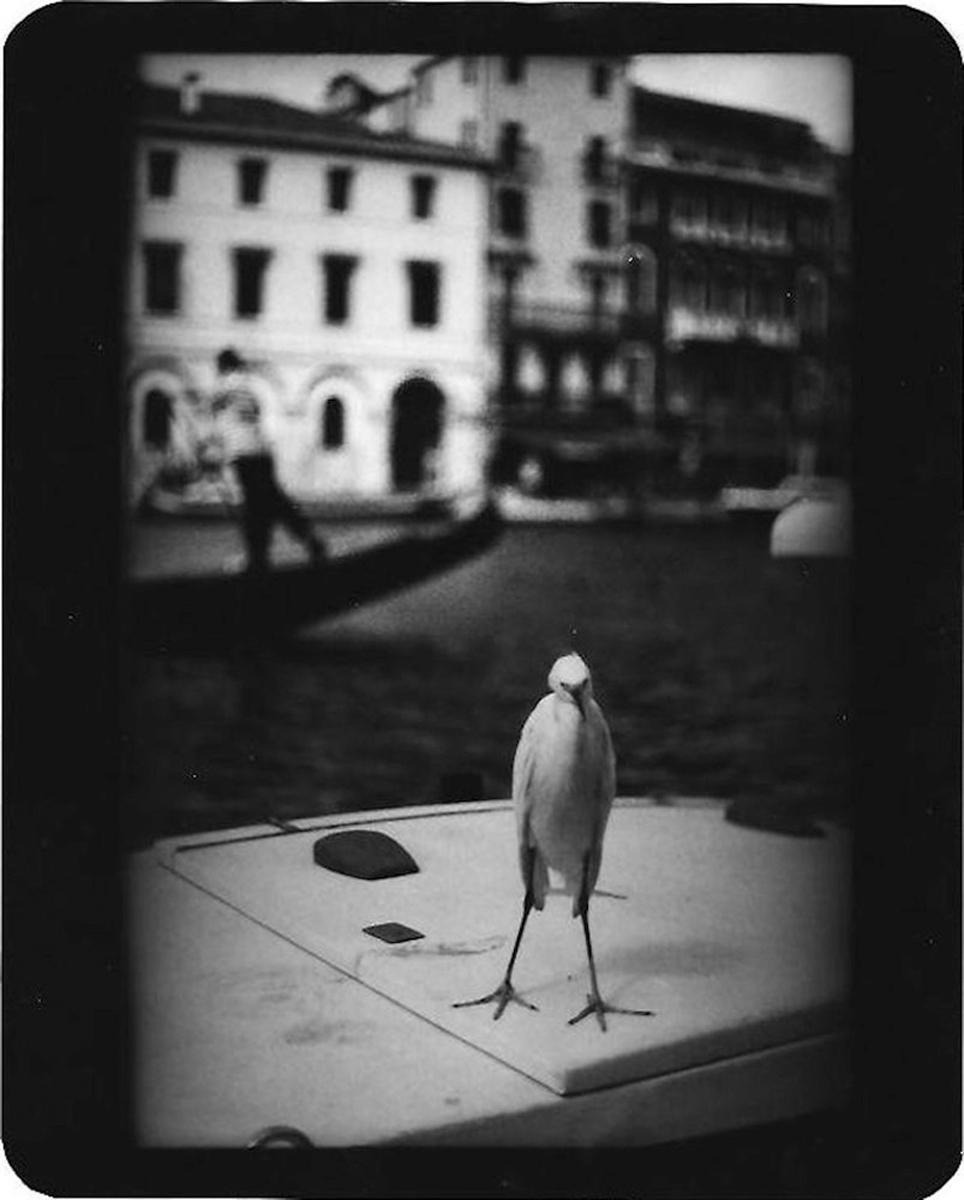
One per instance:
(563, 782)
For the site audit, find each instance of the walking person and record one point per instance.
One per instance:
(237, 420)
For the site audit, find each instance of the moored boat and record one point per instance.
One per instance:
(222, 607)
(816, 526)
(764, 503)
(295, 982)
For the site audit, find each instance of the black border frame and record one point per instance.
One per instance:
(65, 1070)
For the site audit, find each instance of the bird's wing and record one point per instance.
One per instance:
(608, 781)
(522, 769)
(523, 761)
(602, 800)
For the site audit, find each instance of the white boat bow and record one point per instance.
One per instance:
(263, 1000)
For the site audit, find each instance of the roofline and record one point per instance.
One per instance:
(424, 65)
(693, 102)
(418, 151)
(816, 189)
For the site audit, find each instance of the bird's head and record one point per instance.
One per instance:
(570, 679)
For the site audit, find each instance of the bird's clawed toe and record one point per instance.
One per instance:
(500, 997)
(596, 1004)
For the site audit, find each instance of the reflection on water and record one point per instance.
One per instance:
(722, 673)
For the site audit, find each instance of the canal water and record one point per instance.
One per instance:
(722, 672)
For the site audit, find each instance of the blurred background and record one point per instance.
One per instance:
(612, 293)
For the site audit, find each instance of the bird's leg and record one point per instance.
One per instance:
(505, 991)
(595, 1003)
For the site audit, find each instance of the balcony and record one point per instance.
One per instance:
(772, 331)
(689, 229)
(776, 176)
(688, 325)
(559, 319)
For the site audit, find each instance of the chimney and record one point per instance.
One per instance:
(191, 93)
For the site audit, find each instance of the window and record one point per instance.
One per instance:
(469, 134)
(510, 144)
(338, 272)
(424, 281)
(158, 415)
(470, 69)
(423, 196)
(161, 173)
(514, 68)
(162, 277)
(769, 219)
(339, 188)
(690, 208)
(595, 159)
(599, 79)
(511, 212)
(600, 224)
(727, 292)
(250, 265)
(333, 424)
(729, 212)
(251, 176)
(688, 285)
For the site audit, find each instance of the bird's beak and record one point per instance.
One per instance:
(578, 694)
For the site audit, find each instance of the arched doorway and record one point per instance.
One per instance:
(417, 415)
(157, 418)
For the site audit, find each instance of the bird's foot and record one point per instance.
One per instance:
(597, 1005)
(500, 997)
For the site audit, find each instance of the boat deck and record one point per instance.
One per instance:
(261, 1001)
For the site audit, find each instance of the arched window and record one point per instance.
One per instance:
(158, 415)
(532, 374)
(574, 382)
(333, 424)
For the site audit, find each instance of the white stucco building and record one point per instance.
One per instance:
(347, 266)
(555, 127)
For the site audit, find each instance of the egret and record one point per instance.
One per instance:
(563, 782)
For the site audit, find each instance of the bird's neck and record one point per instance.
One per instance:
(568, 713)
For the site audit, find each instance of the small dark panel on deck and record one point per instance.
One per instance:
(364, 854)
(393, 932)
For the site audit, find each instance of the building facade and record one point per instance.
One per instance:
(345, 265)
(737, 287)
(554, 128)
(668, 280)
